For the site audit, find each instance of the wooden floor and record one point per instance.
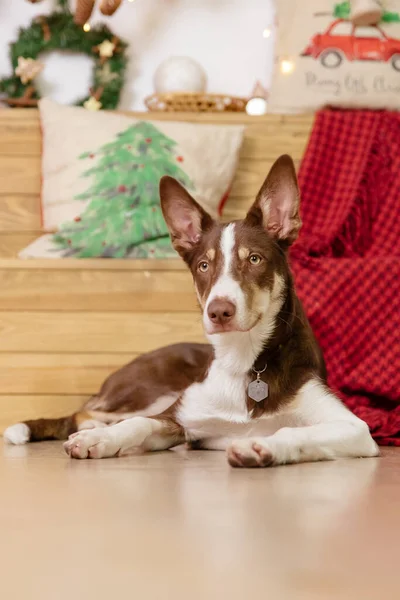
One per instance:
(184, 525)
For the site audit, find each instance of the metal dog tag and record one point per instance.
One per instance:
(257, 390)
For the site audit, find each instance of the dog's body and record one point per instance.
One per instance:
(258, 330)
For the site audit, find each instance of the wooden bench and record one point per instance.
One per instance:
(66, 325)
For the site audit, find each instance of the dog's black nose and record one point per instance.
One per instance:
(221, 311)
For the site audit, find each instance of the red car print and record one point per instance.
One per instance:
(361, 43)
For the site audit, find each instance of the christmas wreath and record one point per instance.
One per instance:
(58, 31)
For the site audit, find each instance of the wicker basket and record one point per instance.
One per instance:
(195, 102)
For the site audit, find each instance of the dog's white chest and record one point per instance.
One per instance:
(208, 408)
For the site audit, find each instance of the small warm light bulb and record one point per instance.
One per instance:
(86, 27)
(267, 32)
(131, 0)
(256, 106)
(287, 66)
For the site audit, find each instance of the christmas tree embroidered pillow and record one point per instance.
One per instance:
(323, 59)
(101, 173)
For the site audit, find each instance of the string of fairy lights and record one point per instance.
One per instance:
(286, 65)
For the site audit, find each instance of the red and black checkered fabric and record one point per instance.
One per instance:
(347, 259)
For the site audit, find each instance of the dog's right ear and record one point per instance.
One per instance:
(185, 218)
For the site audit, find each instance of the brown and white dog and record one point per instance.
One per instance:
(259, 335)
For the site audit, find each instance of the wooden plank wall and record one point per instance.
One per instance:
(66, 325)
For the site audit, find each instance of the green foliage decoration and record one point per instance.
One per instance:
(342, 11)
(65, 35)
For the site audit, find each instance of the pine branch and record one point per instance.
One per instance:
(63, 5)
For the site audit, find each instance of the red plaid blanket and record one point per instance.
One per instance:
(347, 259)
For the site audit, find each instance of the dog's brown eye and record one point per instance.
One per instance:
(203, 266)
(255, 259)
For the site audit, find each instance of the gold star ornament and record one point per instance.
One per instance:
(28, 69)
(106, 49)
(92, 104)
(105, 75)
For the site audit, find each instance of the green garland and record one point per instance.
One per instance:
(108, 75)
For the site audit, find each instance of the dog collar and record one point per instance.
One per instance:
(263, 358)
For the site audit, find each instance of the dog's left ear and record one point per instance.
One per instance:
(276, 207)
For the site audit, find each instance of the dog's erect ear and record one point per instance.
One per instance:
(185, 218)
(277, 203)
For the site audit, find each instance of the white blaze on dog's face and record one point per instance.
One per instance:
(239, 269)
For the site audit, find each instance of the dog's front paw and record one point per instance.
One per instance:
(252, 452)
(91, 443)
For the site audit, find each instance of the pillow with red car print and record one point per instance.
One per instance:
(322, 59)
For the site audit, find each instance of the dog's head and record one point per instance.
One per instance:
(239, 269)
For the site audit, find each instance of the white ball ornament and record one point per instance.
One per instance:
(179, 74)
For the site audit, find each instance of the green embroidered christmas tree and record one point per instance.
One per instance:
(123, 216)
(342, 11)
